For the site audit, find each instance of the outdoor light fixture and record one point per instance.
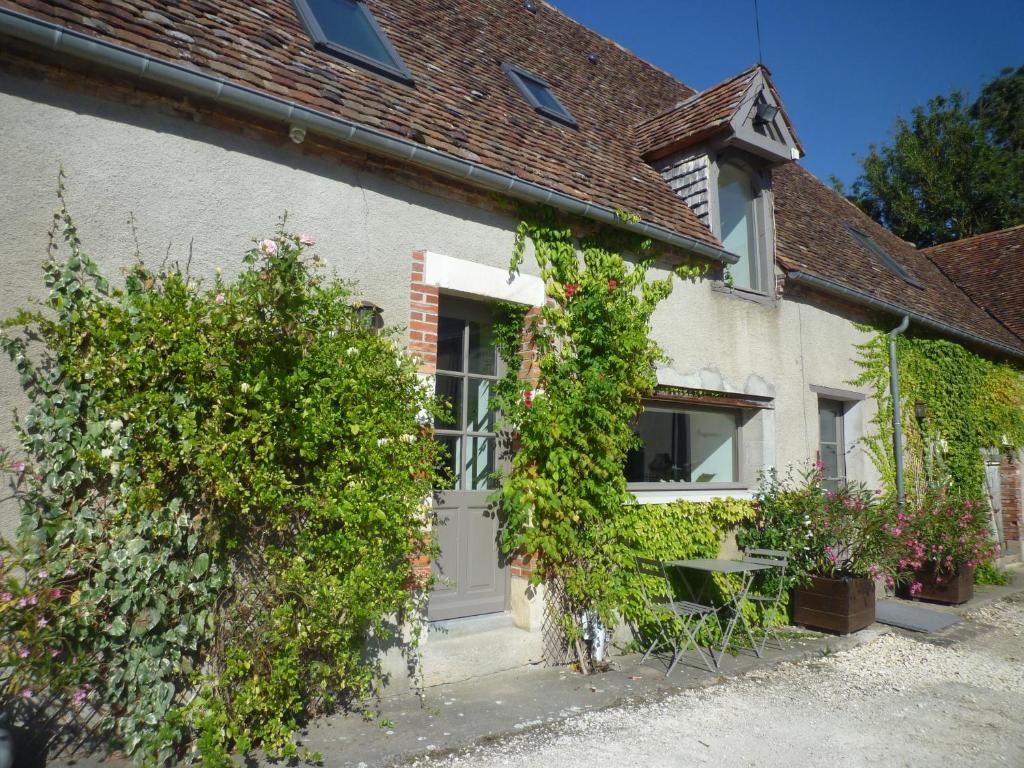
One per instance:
(920, 410)
(765, 113)
(370, 315)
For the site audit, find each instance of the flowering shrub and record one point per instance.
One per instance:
(221, 498)
(943, 534)
(827, 533)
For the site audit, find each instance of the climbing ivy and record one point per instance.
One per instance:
(566, 492)
(972, 403)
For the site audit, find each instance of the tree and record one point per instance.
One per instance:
(951, 171)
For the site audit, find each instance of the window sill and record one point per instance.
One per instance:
(757, 297)
(651, 493)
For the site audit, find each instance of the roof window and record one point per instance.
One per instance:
(347, 29)
(866, 241)
(539, 94)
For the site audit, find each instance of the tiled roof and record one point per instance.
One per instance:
(462, 102)
(702, 115)
(990, 269)
(812, 237)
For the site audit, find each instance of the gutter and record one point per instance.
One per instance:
(62, 40)
(859, 297)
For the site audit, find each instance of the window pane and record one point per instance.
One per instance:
(830, 458)
(827, 423)
(478, 408)
(736, 211)
(450, 459)
(482, 354)
(449, 344)
(712, 447)
(449, 392)
(684, 446)
(480, 463)
(542, 94)
(346, 24)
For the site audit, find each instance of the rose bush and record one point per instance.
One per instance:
(222, 494)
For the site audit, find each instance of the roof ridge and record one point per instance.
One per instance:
(969, 238)
(619, 45)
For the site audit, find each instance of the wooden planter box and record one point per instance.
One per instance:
(835, 605)
(949, 589)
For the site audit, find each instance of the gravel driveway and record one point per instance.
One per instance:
(952, 699)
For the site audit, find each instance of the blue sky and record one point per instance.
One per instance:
(845, 70)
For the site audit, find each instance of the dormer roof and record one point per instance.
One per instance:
(728, 114)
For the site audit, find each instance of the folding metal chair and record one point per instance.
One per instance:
(676, 619)
(770, 598)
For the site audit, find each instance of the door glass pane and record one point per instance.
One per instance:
(480, 417)
(449, 392)
(451, 460)
(480, 463)
(482, 354)
(449, 344)
(830, 458)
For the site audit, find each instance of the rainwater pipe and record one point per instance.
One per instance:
(897, 419)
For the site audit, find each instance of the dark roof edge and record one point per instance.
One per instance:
(859, 297)
(58, 38)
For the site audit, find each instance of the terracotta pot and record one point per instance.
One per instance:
(835, 605)
(945, 588)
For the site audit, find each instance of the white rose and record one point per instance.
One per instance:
(106, 453)
(352, 351)
(115, 425)
(244, 387)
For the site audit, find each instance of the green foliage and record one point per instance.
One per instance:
(948, 533)
(831, 533)
(952, 170)
(596, 362)
(222, 494)
(973, 403)
(990, 573)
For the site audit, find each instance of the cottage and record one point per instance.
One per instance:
(386, 127)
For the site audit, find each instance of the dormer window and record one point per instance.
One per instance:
(743, 222)
(347, 29)
(539, 95)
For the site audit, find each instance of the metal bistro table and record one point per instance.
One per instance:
(735, 597)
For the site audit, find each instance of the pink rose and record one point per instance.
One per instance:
(23, 653)
(26, 693)
(570, 290)
(307, 240)
(220, 298)
(18, 466)
(269, 247)
(612, 285)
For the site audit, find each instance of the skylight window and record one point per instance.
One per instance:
(539, 95)
(347, 29)
(882, 256)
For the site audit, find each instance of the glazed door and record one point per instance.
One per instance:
(470, 573)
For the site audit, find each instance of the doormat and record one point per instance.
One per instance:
(912, 617)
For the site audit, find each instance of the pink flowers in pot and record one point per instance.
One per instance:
(945, 533)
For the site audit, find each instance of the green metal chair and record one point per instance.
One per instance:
(769, 599)
(676, 620)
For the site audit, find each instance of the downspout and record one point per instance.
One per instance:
(897, 419)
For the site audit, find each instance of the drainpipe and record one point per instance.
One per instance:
(897, 420)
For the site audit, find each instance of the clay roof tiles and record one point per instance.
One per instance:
(990, 269)
(461, 103)
(812, 237)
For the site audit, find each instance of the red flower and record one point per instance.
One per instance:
(570, 290)
(528, 399)
(612, 285)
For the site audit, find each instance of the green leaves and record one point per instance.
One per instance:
(215, 475)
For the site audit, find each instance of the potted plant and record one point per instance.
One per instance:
(840, 542)
(942, 541)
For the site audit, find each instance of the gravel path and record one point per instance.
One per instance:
(954, 699)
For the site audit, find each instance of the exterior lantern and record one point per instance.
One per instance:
(370, 315)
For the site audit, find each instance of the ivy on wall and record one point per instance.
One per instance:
(566, 492)
(972, 403)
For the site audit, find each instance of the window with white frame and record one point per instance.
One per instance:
(685, 444)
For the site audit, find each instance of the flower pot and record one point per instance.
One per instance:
(946, 588)
(835, 605)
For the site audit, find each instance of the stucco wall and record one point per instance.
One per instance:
(194, 188)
